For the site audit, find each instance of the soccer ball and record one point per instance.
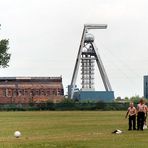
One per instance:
(17, 134)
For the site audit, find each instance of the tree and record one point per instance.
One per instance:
(135, 99)
(126, 99)
(118, 98)
(4, 56)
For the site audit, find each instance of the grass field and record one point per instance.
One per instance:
(69, 129)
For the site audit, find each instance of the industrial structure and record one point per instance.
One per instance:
(87, 56)
(146, 86)
(17, 90)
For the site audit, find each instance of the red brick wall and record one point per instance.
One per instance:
(28, 92)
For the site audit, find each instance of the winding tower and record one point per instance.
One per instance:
(87, 56)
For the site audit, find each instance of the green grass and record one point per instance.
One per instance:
(69, 129)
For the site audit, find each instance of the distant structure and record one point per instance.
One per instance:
(17, 90)
(87, 55)
(146, 86)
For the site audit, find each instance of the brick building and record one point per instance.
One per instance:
(30, 89)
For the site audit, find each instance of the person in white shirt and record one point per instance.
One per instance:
(132, 116)
(145, 117)
(141, 110)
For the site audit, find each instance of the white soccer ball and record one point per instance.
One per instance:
(17, 134)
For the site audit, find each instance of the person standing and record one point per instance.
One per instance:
(132, 116)
(145, 117)
(141, 114)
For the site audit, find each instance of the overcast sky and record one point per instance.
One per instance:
(45, 35)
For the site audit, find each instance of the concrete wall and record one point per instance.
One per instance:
(105, 96)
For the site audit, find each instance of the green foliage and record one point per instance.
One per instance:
(4, 55)
(126, 99)
(135, 99)
(68, 101)
(66, 105)
(118, 98)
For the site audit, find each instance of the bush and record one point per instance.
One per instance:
(65, 105)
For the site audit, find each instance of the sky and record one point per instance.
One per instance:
(44, 37)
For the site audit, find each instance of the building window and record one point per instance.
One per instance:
(26, 92)
(32, 93)
(37, 92)
(59, 91)
(8, 92)
(42, 92)
(20, 92)
(4, 92)
(54, 92)
(48, 92)
(15, 93)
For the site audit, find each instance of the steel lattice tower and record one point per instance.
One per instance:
(87, 55)
(87, 64)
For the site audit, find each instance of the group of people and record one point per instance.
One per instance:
(140, 112)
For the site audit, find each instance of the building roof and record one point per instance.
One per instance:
(31, 79)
